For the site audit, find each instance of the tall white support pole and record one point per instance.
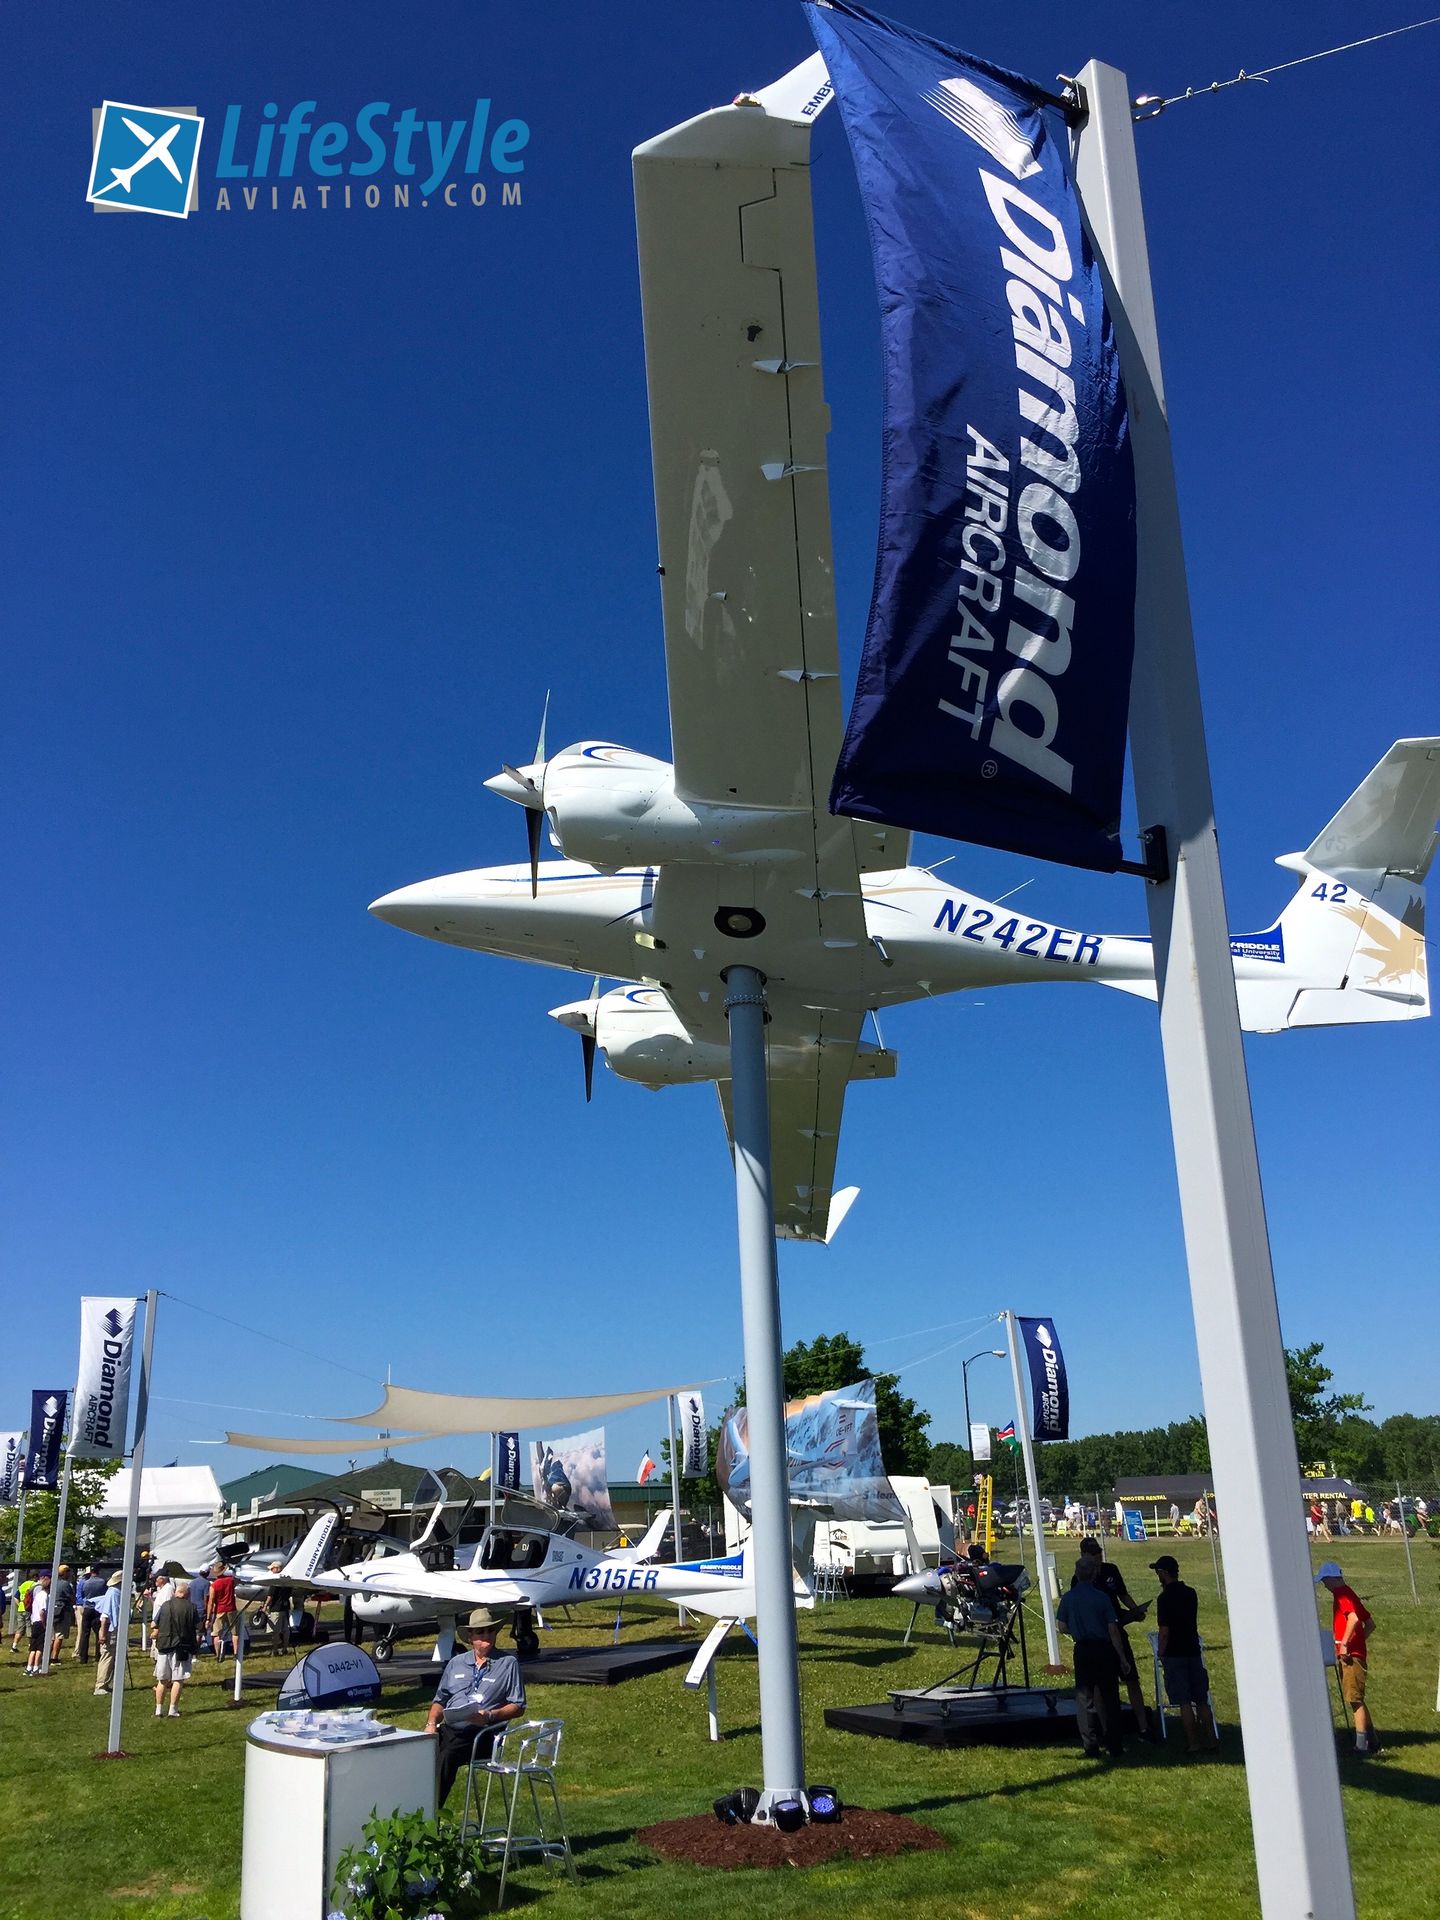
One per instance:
(132, 1527)
(1300, 1849)
(782, 1762)
(1037, 1525)
(59, 1548)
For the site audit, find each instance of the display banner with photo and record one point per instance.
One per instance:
(47, 1430)
(994, 687)
(507, 1462)
(694, 1441)
(832, 1444)
(979, 1443)
(569, 1475)
(12, 1454)
(1049, 1388)
(102, 1396)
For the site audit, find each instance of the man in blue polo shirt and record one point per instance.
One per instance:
(478, 1692)
(1088, 1615)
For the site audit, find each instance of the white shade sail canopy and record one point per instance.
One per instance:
(427, 1416)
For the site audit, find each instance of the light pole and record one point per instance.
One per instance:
(991, 1353)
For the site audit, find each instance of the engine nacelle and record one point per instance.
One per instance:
(643, 1039)
(612, 807)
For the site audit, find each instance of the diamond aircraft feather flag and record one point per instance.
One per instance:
(994, 684)
(1049, 1387)
(12, 1455)
(48, 1408)
(694, 1440)
(102, 1397)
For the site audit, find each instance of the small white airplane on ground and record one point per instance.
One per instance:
(157, 147)
(521, 1570)
(727, 855)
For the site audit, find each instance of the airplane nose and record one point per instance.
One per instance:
(417, 908)
(917, 1586)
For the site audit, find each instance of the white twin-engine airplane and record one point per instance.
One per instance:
(674, 871)
(521, 1571)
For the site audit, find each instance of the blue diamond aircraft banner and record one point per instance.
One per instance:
(994, 685)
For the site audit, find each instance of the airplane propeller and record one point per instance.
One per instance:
(526, 787)
(580, 1017)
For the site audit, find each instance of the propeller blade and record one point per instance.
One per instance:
(533, 821)
(539, 754)
(587, 1054)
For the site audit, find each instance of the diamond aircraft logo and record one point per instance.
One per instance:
(989, 124)
(145, 159)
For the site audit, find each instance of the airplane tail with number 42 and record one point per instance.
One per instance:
(728, 854)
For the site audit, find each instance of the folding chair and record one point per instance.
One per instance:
(527, 1751)
(1154, 1640)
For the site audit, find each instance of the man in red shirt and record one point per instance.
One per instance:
(1352, 1626)
(221, 1615)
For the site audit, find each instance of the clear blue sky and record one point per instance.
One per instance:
(308, 509)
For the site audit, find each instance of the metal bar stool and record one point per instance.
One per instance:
(527, 1752)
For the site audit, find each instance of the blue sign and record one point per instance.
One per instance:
(1049, 1388)
(507, 1454)
(1134, 1523)
(144, 159)
(995, 681)
(48, 1408)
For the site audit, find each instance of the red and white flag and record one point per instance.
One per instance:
(646, 1470)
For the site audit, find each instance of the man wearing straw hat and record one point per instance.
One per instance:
(478, 1693)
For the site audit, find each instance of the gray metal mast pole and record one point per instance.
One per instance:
(132, 1528)
(1037, 1524)
(782, 1763)
(1300, 1849)
(1405, 1536)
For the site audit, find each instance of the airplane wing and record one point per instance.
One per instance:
(738, 422)
(438, 1589)
(161, 152)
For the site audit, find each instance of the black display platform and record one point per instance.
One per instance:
(603, 1666)
(1012, 1713)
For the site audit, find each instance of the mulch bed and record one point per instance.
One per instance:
(702, 1841)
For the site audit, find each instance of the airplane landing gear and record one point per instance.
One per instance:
(522, 1628)
(384, 1646)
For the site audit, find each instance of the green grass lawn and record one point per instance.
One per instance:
(1033, 1831)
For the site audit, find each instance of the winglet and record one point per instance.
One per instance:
(802, 94)
(841, 1202)
(309, 1557)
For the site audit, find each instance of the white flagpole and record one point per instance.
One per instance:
(132, 1528)
(675, 1485)
(1037, 1528)
(59, 1544)
(19, 1545)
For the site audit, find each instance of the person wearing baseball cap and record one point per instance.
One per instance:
(1187, 1684)
(1352, 1626)
(479, 1692)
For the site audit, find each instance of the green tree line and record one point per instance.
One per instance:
(1332, 1435)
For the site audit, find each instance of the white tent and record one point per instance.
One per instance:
(180, 1504)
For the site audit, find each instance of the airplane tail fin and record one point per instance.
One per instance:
(309, 1557)
(647, 1547)
(1351, 943)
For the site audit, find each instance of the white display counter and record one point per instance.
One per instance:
(307, 1798)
